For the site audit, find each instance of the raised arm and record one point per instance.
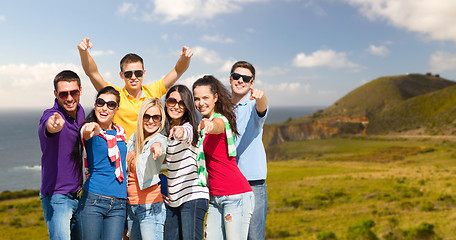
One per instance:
(181, 66)
(89, 65)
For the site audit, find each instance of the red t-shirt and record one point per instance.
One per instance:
(225, 178)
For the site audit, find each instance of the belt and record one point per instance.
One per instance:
(256, 182)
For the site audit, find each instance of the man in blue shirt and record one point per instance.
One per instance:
(60, 173)
(251, 111)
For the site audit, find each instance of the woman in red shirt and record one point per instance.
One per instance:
(231, 199)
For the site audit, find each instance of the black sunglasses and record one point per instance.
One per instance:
(245, 78)
(73, 93)
(100, 102)
(171, 102)
(129, 74)
(155, 118)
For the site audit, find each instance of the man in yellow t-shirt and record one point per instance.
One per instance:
(133, 94)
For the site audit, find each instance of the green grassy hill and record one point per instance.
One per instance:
(433, 113)
(384, 105)
(383, 94)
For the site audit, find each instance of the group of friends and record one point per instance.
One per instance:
(101, 174)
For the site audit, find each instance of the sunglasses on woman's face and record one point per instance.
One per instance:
(100, 102)
(73, 93)
(245, 78)
(155, 118)
(171, 102)
(129, 74)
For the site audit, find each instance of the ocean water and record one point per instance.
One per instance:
(20, 154)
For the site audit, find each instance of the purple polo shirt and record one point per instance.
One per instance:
(60, 174)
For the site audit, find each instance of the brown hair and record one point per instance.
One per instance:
(67, 76)
(130, 58)
(189, 111)
(244, 64)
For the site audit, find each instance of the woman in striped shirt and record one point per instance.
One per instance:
(188, 199)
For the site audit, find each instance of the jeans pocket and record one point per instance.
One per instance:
(90, 201)
(157, 208)
(235, 197)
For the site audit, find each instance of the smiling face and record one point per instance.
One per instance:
(134, 83)
(176, 111)
(151, 120)
(205, 100)
(239, 87)
(68, 101)
(103, 113)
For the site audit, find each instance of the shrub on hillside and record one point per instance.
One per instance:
(424, 231)
(362, 229)
(6, 195)
(326, 236)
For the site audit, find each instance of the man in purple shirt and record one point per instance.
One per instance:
(60, 173)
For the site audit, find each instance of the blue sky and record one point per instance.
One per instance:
(306, 52)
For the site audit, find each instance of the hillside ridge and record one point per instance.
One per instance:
(381, 106)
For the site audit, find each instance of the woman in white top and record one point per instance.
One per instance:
(145, 208)
(188, 197)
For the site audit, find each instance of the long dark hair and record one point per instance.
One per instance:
(189, 114)
(76, 154)
(224, 105)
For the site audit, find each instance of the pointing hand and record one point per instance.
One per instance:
(55, 123)
(85, 44)
(177, 132)
(256, 94)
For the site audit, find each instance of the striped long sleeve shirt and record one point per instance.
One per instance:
(182, 170)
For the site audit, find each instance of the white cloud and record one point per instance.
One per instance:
(273, 71)
(217, 38)
(208, 56)
(442, 61)
(31, 86)
(282, 88)
(290, 94)
(378, 50)
(291, 87)
(2, 18)
(165, 37)
(323, 58)
(226, 67)
(316, 9)
(26, 76)
(127, 9)
(250, 30)
(96, 53)
(433, 18)
(188, 81)
(193, 10)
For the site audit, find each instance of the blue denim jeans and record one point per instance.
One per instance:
(258, 221)
(229, 216)
(186, 222)
(60, 213)
(146, 221)
(101, 217)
